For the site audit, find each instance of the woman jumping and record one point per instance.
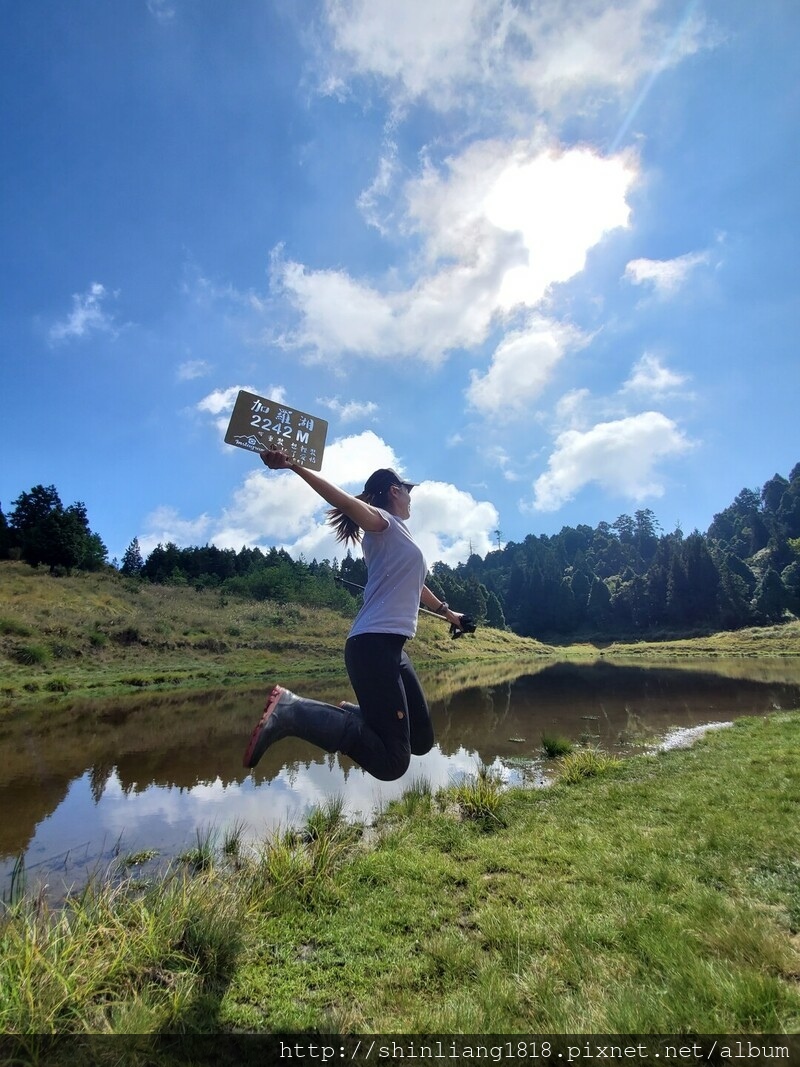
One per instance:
(391, 720)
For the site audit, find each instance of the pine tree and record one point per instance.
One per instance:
(702, 580)
(494, 612)
(733, 596)
(598, 609)
(132, 562)
(771, 599)
(5, 537)
(47, 532)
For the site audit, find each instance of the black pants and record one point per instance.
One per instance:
(395, 721)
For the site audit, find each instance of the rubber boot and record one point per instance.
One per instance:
(288, 715)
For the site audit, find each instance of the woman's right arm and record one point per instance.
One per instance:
(367, 517)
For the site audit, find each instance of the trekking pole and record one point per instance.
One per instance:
(466, 626)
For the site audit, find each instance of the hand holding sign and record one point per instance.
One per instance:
(276, 461)
(261, 425)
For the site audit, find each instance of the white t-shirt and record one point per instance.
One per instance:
(396, 573)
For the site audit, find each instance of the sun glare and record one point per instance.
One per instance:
(562, 205)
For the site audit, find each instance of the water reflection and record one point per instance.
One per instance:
(82, 785)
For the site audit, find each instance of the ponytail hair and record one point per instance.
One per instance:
(347, 529)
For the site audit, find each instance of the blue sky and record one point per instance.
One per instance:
(540, 256)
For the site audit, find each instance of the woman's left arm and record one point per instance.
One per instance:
(439, 607)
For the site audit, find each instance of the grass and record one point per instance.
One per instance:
(663, 897)
(480, 798)
(118, 959)
(137, 859)
(97, 635)
(554, 746)
(202, 854)
(233, 837)
(30, 655)
(586, 763)
(778, 640)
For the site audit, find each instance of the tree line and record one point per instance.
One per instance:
(40, 529)
(629, 576)
(616, 578)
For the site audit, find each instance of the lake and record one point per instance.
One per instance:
(82, 786)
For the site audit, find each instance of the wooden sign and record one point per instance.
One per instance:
(258, 424)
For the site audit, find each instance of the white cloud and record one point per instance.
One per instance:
(339, 314)
(649, 376)
(278, 507)
(563, 204)
(588, 50)
(522, 365)
(570, 409)
(222, 399)
(349, 461)
(267, 508)
(538, 209)
(498, 225)
(666, 276)
(619, 456)
(500, 458)
(448, 523)
(424, 47)
(220, 402)
(444, 310)
(349, 410)
(193, 368)
(470, 53)
(165, 525)
(161, 10)
(87, 316)
(380, 187)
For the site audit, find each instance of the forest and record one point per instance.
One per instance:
(617, 579)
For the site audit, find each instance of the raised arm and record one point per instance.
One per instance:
(367, 517)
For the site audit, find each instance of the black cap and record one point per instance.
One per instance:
(379, 481)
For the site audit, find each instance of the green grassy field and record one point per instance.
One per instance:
(651, 896)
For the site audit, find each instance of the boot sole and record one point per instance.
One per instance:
(272, 702)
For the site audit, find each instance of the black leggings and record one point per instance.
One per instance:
(395, 721)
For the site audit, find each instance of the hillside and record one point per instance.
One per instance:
(101, 634)
(616, 582)
(624, 579)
